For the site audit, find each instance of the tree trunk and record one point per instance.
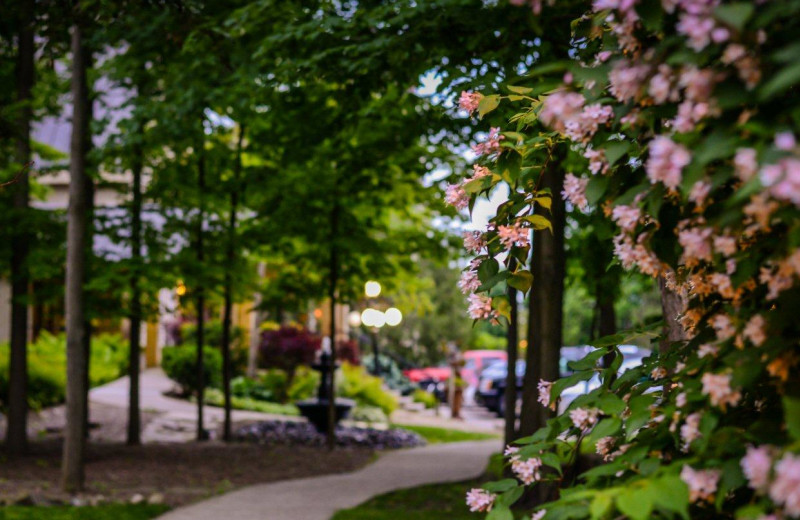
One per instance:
(512, 338)
(200, 291)
(135, 316)
(672, 306)
(546, 306)
(16, 436)
(77, 227)
(87, 298)
(230, 257)
(607, 322)
(333, 279)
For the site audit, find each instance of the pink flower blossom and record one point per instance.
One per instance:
(696, 243)
(544, 393)
(491, 145)
(469, 281)
(756, 465)
(697, 29)
(469, 101)
(474, 241)
(754, 330)
(698, 84)
(690, 431)
(785, 141)
(666, 162)
(724, 245)
(560, 107)
(527, 470)
(718, 389)
(584, 418)
(745, 163)
(514, 235)
(723, 326)
(575, 190)
(538, 515)
(480, 307)
(604, 446)
(479, 172)
(660, 88)
(597, 160)
(626, 80)
(707, 349)
(783, 180)
(785, 489)
(658, 373)
(699, 192)
(626, 217)
(702, 483)
(480, 500)
(456, 196)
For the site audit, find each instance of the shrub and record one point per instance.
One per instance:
(426, 398)
(304, 384)
(180, 365)
(287, 348)
(368, 414)
(366, 390)
(215, 397)
(47, 362)
(348, 351)
(213, 338)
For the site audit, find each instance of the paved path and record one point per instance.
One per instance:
(175, 419)
(319, 498)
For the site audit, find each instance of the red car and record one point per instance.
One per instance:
(474, 363)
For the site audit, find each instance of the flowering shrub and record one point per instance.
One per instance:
(684, 114)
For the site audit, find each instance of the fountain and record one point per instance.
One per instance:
(316, 410)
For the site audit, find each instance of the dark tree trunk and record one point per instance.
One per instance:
(546, 307)
(607, 322)
(672, 306)
(16, 436)
(512, 339)
(135, 316)
(77, 227)
(230, 257)
(87, 298)
(333, 280)
(200, 292)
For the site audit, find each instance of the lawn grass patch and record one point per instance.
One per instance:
(436, 435)
(431, 502)
(103, 512)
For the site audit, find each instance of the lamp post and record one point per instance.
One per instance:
(373, 319)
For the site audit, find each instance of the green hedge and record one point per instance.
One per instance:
(355, 383)
(47, 367)
(180, 365)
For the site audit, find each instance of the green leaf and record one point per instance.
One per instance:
(544, 201)
(588, 361)
(508, 498)
(500, 513)
(791, 412)
(735, 14)
(502, 306)
(780, 82)
(521, 280)
(487, 104)
(539, 222)
(615, 150)
(635, 503)
(551, 459)
(487, 269)
(596, 188)
(606, 427)
(611, 404)
(500, 486)
(672, 494)
(600, 505)
(519, 90)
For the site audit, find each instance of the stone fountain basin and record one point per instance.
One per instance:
(316, 411)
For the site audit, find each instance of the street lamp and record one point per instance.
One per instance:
(374, 319)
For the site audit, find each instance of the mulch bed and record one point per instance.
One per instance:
(176, 474)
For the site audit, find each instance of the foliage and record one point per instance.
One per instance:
(273, 385)
(390, 372)
(368, 414)
(47, 367)
(348, 351)
(685, 114)
(180, 365)
(435, 435)
(215, 397)
(287, 348)
(355, 383)
(426, 398)
(102, 512)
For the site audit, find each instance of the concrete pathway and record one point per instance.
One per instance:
(319, 498)
(175, 419)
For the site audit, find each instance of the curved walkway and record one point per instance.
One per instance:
(319, 498)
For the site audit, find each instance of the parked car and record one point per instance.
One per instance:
(492, 381)
(475, 361)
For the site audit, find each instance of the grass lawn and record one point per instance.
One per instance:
(438, 435)
(433, 502)
(105, 512)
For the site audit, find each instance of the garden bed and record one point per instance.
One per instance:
(303, 434)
